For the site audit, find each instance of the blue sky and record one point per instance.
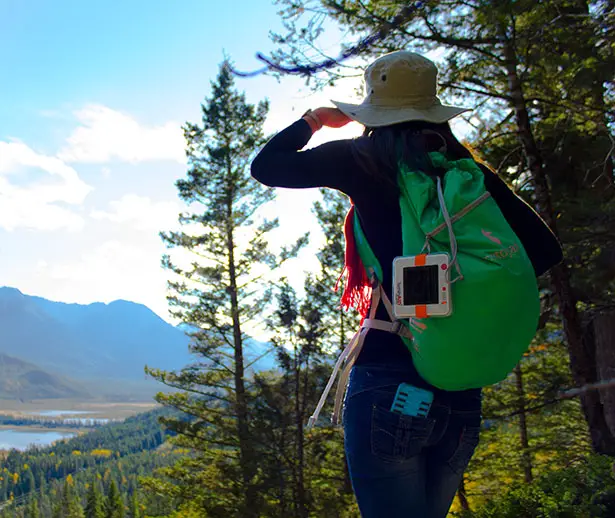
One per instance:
(93, 96)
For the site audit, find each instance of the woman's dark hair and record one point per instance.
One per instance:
(380, 150)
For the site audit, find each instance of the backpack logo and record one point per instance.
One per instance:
(490, 237)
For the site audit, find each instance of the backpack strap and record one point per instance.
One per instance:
(354, 347)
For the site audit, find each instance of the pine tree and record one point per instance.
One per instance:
(339, 323)
(45, 505)
(29, 483)
(32, 510)
(520, 435)
(68, 505)
(135, 511)
(296, 345)
(114, 505)
(218, 296)
(294, 477)
(94, 506)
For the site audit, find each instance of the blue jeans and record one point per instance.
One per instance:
(402, 466)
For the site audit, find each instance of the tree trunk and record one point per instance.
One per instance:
(581, 359)
(301, 505)
(246, 454)
(462, 495)
(526, 459)
(604, 339)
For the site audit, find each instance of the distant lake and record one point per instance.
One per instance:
(19, 440)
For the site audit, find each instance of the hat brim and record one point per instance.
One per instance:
(376, 116)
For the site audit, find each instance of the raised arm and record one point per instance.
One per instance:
(281, 163)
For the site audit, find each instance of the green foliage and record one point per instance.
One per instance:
(338, 324)
(585, 489)
(94, 507)
(556, 434)
(115, 446)
(68, 505)
(119, 452)
(293, 479)
(32, 510)
(114, 505)
(134, 509)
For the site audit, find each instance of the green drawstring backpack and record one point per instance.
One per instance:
(495, 294)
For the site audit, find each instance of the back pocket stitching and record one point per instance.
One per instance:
(402, 438)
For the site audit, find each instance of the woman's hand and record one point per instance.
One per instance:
(332, 117)
(325, 116)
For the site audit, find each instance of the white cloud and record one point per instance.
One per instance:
(114, 270)
(106, 134)
(32, 204)
(141, 212)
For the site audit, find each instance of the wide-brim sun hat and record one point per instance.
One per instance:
(400, 87)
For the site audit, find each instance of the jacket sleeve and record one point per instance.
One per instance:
(281, 163)
(540, 243)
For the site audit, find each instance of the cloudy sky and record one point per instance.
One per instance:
(92, 99)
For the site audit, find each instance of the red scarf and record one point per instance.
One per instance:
(357, 290)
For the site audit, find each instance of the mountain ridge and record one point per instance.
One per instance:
(113, 340)
(106, 343)
(24, 380)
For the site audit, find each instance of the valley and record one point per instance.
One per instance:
(86, 408)
(42, 422)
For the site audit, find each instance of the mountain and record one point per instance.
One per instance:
(24, 380)
(105, 345)
(92, 342)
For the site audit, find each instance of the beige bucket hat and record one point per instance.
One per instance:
(400, 86)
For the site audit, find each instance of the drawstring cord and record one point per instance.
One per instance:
(451, 235)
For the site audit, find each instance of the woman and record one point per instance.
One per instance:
(396, 470)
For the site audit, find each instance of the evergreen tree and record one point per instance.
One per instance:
(32, 510)
(45, 505)
(94, 506)
(523, 439)
(292, 463)
(221, 293)
(113, 505)
(296, 347)
(135, 511)
(339, 324)
(29, 483)
(68, 505)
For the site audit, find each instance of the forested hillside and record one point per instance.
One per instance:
(58, 480)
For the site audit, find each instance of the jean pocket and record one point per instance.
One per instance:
(468, 441)
(396, 437)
